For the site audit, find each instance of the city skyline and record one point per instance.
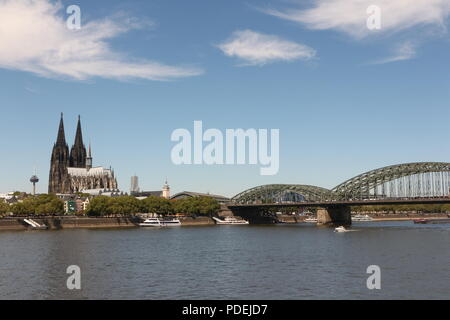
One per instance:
(345, 102)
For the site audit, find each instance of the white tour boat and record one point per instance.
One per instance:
(156, 222)
(230, 220)
(311, 220)
(360, 217)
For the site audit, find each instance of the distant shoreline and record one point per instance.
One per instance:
(64, 222)
(409, 218)
(387, 217)
(61, 222)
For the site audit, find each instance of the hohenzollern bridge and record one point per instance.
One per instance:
(409, 183)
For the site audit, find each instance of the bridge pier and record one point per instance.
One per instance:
(255, 215)
(334, 215)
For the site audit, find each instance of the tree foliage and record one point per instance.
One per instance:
(98, 206)
(4, 207)
(127, 205)
(157, 205)
(203, 206)
(40, 205)
(419, 208)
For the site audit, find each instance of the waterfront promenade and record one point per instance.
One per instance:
(73, 222)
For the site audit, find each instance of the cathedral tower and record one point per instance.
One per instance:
(58, 179)
(78, 151)
(73, 172)
(89, 159)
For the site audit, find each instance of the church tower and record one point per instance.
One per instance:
(73, 172)
(78, 151)
(89, 159)
(59, 181)
(166, 190)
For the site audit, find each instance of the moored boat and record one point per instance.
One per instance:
(311, 220)
(361, 218)
(156, 222)
(230, 220)
(431, 221)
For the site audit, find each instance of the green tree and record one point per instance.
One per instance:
(205, 206)
(23, 208)
(157, 205)
(98, 206)
(4, 207)
(124, 205)
(208, 206)
(42, 204)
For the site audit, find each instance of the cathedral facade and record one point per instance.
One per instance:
(73, 172)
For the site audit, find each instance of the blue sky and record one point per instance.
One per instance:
(346, 100)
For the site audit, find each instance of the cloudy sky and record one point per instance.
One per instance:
(346, 98)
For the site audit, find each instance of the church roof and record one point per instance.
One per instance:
(84, 172)
(147, 194)
(185, 194)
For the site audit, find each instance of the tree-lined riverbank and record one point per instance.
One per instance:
(48, 204)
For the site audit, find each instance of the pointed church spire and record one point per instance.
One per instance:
(58, 179)
(78, 151)
(89, 158)
(79, 134)
(61, 139)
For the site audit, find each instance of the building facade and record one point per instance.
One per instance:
(134, 186)
(76, 206)
(73, 172)
(164, 193)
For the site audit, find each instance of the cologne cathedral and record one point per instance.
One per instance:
(73, 172)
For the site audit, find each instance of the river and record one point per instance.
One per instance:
(296, 261)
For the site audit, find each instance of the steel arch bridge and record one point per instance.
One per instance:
(278, 193)
(409, 180)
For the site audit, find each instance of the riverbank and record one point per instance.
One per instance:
(57, 223)
(407, 217)
(375, 217)
(62, 222)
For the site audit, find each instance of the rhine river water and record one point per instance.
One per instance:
(229, 262)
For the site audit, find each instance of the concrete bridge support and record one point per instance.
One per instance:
(255, 215)
(334, 215)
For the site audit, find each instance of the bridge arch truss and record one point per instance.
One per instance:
(282, 193)
(409, 180)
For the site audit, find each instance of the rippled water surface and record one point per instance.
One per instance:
(229, 262)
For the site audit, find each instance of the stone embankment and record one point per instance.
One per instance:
(56, 223)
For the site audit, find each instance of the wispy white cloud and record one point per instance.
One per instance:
(32, 89)
(34, 38)
(404, 51)
(255, 48)
(350, 16)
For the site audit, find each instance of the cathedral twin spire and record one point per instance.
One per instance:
(59, 162)
(61, 139)
(78, 151)
(77, 157)
(61, 180)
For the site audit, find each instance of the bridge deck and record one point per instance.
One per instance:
(344, 203)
